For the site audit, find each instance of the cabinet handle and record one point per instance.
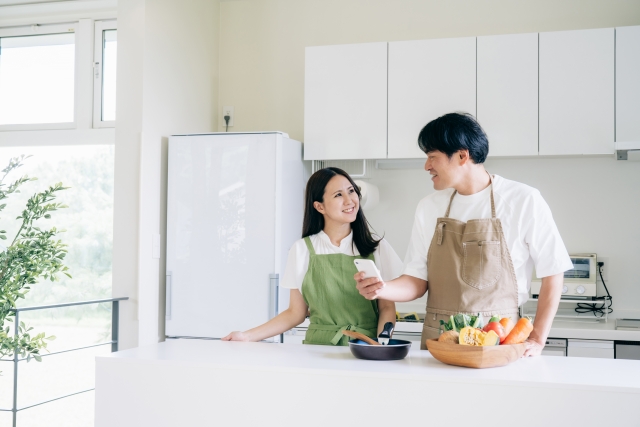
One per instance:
(167, 304)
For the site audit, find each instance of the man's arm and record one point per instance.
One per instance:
(404, 288)
(548, 300)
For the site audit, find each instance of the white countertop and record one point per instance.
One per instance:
(555, 372)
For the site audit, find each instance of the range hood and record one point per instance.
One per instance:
(628, 151)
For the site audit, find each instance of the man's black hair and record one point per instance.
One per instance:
(453, 132)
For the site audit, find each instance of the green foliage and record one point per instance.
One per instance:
(34, 253)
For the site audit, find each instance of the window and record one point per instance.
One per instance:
(37, 77)
(60, 81)
(87, 171)
(104, 66)
(45, 80)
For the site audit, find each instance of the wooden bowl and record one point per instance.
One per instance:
(475, 356)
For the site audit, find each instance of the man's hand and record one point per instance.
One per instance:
(533, 348)
(369, 288)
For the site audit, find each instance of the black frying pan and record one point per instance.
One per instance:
(395, 350)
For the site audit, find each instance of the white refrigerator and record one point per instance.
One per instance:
(234, 207)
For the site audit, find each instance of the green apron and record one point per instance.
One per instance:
(334, 302)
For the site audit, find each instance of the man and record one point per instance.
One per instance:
(476, 241)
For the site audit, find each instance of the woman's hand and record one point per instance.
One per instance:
(236, 336)
(369, 288)
(533, 348)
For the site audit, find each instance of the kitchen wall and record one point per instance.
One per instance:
(595, 200)
(167, 81)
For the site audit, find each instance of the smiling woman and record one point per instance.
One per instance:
(320, 268)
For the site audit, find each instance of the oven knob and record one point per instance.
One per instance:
(580, 290)
(565, 289)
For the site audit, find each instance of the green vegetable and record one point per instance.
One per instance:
(445, 326)
(458, 321)
(476, 321)
(461, 321)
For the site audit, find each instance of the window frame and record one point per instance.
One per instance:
(98, 62)
(79, 58)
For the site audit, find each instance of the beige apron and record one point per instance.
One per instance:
(469, 271)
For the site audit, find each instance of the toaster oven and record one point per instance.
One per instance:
(579, 282)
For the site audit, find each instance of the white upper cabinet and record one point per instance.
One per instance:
(345, 102)
(427, 79)
(508, 93)
(628, 84)
(577, 92)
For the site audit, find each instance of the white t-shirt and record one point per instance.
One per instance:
(529, 230)
(386, 259)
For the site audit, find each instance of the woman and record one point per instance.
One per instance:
(320, 268)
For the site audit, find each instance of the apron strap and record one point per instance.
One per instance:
(493, 204)
(307, 241)
(446, 215)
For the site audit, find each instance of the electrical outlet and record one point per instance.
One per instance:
(604, 268)
(227, 111)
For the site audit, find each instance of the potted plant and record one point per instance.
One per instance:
(33, 253)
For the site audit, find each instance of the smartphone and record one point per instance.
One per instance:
(368, 267)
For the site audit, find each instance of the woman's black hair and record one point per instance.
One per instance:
(314, 221)
(453, 132)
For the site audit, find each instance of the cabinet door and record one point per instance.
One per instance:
(577, 92)
(427, 79)
(508, 93)
(345, 102)
(628, 84)
(590, 348)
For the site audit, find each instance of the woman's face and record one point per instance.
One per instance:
(340, 202)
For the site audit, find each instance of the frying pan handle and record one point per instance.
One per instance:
(387, 331)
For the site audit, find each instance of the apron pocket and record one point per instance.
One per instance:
(481, 266)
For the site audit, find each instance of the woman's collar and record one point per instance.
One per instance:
(346, 241)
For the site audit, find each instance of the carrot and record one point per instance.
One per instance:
(507, 324)
(520, 332)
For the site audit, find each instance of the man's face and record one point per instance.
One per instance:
(444, 171)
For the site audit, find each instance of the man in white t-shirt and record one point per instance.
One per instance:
(476, 241)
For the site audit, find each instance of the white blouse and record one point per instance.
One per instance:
(385, 257)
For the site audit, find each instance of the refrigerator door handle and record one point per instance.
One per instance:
(274, 288)
(167, 307)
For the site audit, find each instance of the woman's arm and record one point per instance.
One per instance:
(386, 313)
(291, 317)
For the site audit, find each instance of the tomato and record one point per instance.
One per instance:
(497, 328)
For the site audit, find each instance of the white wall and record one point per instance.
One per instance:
(167, 79)
(595, 202)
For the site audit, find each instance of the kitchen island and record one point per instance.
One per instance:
(214, 383)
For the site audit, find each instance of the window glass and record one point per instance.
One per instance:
(74, 411)
(109, 56)
(88, 221)
(37, 79)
